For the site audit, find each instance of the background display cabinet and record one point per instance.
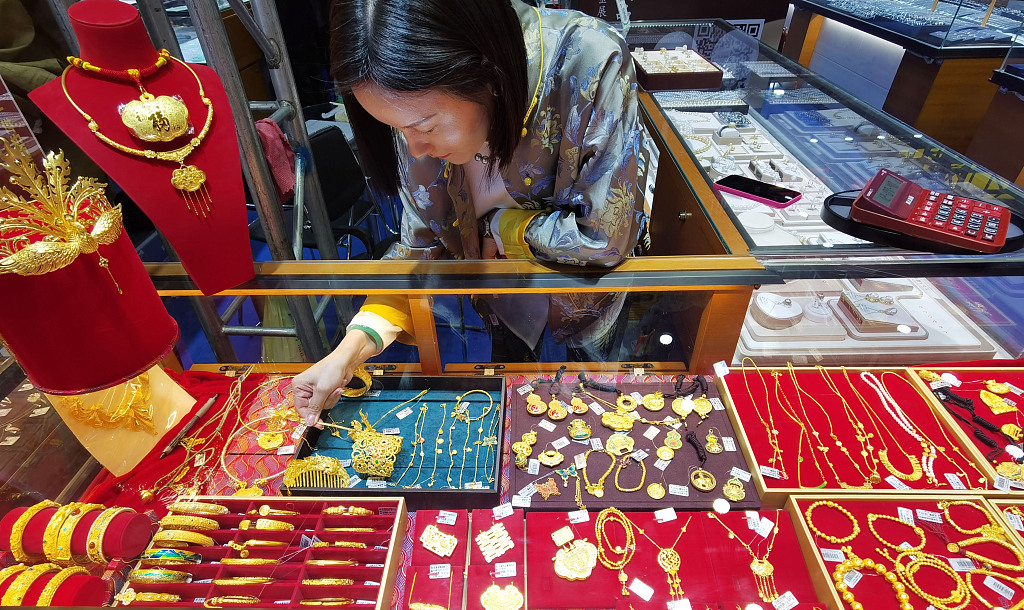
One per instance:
(1004, 120)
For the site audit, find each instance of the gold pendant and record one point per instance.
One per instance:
(578, 406)
(673, 440)
(556, 411)
(733, 490)
(619, 444)
(625, 402)
(997, 387)
(268, 441)
(579, 430)
(548, 488)
(703, 480)
(536, 407)
(997, 403)
(682, 406)
(155, 119)
(713, 446)
(550, 458)
(618, 421)
(1013, 431)
(703, 407)
(245, 490)
(190, 181)
(496, 598)
(438, 542)
(494, 542)
(530, 437)
(670, 562)
(1011, 471)
(656, 491)
(665, 453)
(654, 402)
(576, 561)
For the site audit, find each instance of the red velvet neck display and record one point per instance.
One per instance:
(213, 249)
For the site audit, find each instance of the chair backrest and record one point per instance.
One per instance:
(341, 177)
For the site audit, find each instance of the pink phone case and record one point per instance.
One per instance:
(767, 202)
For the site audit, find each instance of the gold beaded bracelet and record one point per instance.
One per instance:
(15, 594)
(917, 530)
(94, 541)
(819, 533)
(188, 522)
(46, 597)
(853, 562)
(18, 530)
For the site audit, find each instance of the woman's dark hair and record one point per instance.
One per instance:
(471, 49)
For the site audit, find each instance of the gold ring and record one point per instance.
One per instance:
(176, 539)
(188, 522)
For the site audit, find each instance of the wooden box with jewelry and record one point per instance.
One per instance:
(633, 442)
(847, 429)
(980, 404)
(421, 436)
(674, 69)
(882, 544)
(1011, 512)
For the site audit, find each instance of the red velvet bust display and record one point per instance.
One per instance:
(126, 537)
(214, 250)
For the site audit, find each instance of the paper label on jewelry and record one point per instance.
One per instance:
(550, 427)
(346, 463)
(721, 368)
(717, 404)
(371, 583)
(533, 467)
(521, 502)
(929, 515)
(43, 410)
(1002, 484)
(662, 464)
(305, 541)
(643, 590)
(376, 483)
(634, 415)
(365, 601)
(354, 480)
(941, 383)
(1010, 402)
(729, 443)
(676, 426)
(998, 587)
(638, 370)
(298, 432)
(906, 515)
(638, 397)
(951, 379)
(596, 408)
(580, 460)
(1015, 389)
(579, 516)
(286, 450)
(528, 491)
(375, 565)
(764, 527)
(852, 578)
(202, 582)
(833, 555)
(639, 455)
(772, 473)
(524, 389)
(651, 432)
(447, 517)
(786, 601)
(474, 485)
(962, 564)
(372, 393)
(596, 443)
(502, 511)
(505, 569)
(199, 600)
(679, 604)
(679, 490)
(559, 442)
(440, 570)
(739, 473)
(665, 515)
(1015, 521)
(1016, 484)
(896, 483)
(391, 431)
(406, 412)
(199, 460)
(954, 481)
(461, 407)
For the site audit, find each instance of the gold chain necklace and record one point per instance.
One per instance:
(417, 439)
(605, 550)
(916, 471)
(188, 180)
(760, 567)
(783, 404)
(668, 559)
(769, 424)
(596, 489)
(861, 433)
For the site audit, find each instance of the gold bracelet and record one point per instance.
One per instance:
(832, 539)
(158, 556)
(188, 522)
(130, 595)
(198, 508)
(214, 602)
(243, 580)
(328, 601)
(94, 544)
(917, 530)
(176, 539)
(53, 527)
(267, 524)
(328, 581)
(348, 511)
(11, 571)
(15, 594)
(249, 561)
(349, 529)
(18, 530)
(362, 375)
(155, 576)
(265, 510)
(330, 562)
(340, 543)
(46, 597)
(62, 554)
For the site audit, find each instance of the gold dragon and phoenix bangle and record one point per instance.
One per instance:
(130, 595)
(176, 539)
(188, 522)
(94, 540)
(198, 508)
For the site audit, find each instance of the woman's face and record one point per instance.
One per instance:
(433, 122)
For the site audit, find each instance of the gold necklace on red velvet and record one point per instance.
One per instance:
(156, 119)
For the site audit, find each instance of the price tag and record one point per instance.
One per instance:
(440, 570)
(370, 583)
(596, 443)
(764, 527)
(286, 450)
(638, 370)
(202, 582)
(474, 485)
(5, 412)
(679, 490)
(676, 425)
(998, 587)
(954, 481)
(305, 541)
(354, 480)
(550, 427)
(521, 502)
(929, 515)
(786, 601)
(644, 591)
(1012, 403)
(729, 443)
(637, 396)
(635, 415)
(39, 411)
(524, 389)
(942, 383)
(679, 604)
(721, 368)
(199, 460)
(596, 408)
(852, 578)
(376, 483)
(560, 442)
(1002, 484)
(961, 564)
(1016, 390)
(391, 431)
(579, 516)
(739, 473)
(651, 433)
(505, 569)
(580, 460)
(298, 432)
(665, 515)
(199, 600)
(753, 520)
(462, 406)
(951, 379)
(771, 473)
(833, 555)
(639, 455)
(406, 412)
(375, 565)
(1016, 484)
(717, 404)
(662, 464)
(906, 515)
(372, 394)
(447, 517)
(1015, 521)
(533, 467)
(896, 483)
(346, 463)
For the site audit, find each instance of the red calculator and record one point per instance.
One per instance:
(892, 202)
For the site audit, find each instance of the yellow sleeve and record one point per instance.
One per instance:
(395, 309)
(512, 228)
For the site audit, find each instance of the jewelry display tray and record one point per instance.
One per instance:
(676, 473)
(708, 78)
(396, 389)
(374, 576)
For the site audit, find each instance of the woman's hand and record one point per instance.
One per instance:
(320, 385)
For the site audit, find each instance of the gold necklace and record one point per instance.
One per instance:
(760, 567)
(668, 559)
(132, 412)
(440, 441)
(596, 489)
(417, 439)
(916, 472)
(769, 424)
(422, 441)
(491, 440)
(463, 415)
(860, 432)
(188, 180)
(783, 404)
(605, 549)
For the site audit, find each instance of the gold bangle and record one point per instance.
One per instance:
(158, 556)
(248, 561)
(46, 597)
(176, 539)
(340, 543)
(155, 576)
(130, 595)
(53, 527)
(361, 375)
(188, 522)
(94, 544)
(349, 529)
(348, 511)
(328, 601)
(266, 510)
(62, 554)
(330, 562)
(267, 524)
(15, 594)
(18, 530)
(230, 599)
(328, 581)
(11, 571)
(198, 508)
(243, 580)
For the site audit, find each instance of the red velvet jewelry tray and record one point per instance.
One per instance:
(373, 574)
(450, 522)
(715, 569)
(756, 408)
(872, 590)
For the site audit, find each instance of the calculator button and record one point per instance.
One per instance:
(971, 233)
(989, 237)
(955, 229)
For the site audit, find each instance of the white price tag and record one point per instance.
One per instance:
(524, 389)
(954, 481)
(635, 415)
(10, 440)
(559, 442)
(1015, 521)
(474, 485)
(1016, 484)
(771, 473)
(580, 460)
(679, 490)
(305, 541)
(596, 408)
(833, 555)
(579, 516)
(638, 397)
(391, 431)
(906, 515)
(929, 515)
(753, 520)
(39, 411)
(596, 443)
(896, 483)
(651, 433)
(786, 601)
(1002, 484)
(533, 467)
(550, 427)
(406, 412)
(521, 502)
(298, 432)
(679, 604)
(354, 480)
(346, 463)
(286, 450)
(505, 569)
(376, 483)
(941, 383)
(1016, 390)
(440, 570)
(721, 368)
(665, 515)
(739, 473)
(852, 578)
(961, 564)
(717, 404)
(998, 587)
(764, 527)
(447, 517)
(662, 464)
(644, 591)
(528, 491)
(639, 455)
(729, 443)
(951, 379)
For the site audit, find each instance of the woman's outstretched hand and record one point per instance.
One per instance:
(320, 385)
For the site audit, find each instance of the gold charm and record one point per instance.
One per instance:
(703, 407)
(665, 453)
(996, 387)
(656, 491)
(997, 403)
(576, 561)
(703, 480)
(522, 461)
(682, 406)
(245, 490)
(1013, 431)
(670, 562)
(496, 598)
(733, 490)
(530, 438)
(268, 441)
(548, 488)
(928, 375)
(1010, 470)
(557, 411)
(550, 458)
(438, 542)
(618, 421)
(619, 444)
(190, 180)
(713, 446)
(494, 542)
(536, 408)
(654, 402)
(625, 402)
(579, 430)
(522, 447)
(578, 406)
(673, 440)
(373, 453)
(155, 119)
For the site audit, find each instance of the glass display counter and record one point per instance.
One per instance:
(1011, 74)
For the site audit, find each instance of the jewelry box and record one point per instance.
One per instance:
(678, 68)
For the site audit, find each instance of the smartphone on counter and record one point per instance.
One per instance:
(769, 194)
